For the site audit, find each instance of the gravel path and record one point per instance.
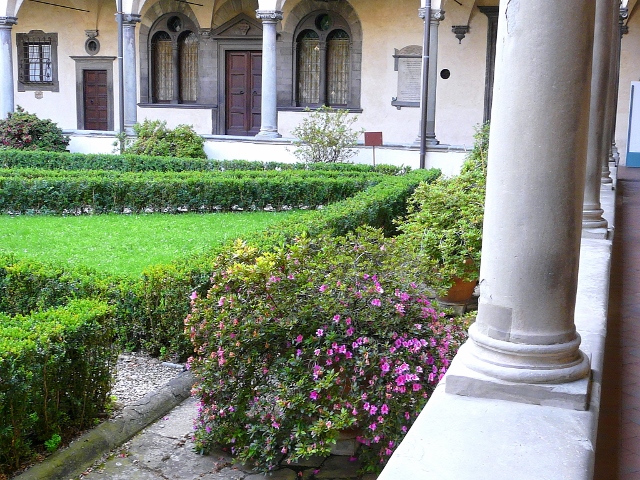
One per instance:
(138, 374)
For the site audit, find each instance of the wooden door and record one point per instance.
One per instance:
(96, 102)
(243, 92)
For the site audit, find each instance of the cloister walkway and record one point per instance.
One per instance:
(618, 444)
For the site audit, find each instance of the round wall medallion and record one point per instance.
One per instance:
(92, 46)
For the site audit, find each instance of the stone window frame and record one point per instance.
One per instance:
(36, 36)
(161, 25)
(287, 36)
(309, 23)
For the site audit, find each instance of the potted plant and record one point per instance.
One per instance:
(444, 225)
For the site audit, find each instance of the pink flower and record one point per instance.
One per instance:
(322, 288)
(416, 387)
(373, 426)
(385, 366)
(299, 338)
(275, 425)
(313, 395)
(336, 318)
(221, 301)
(194, 295)
(350, 331)
(376, 302)
(373, 410)
(319, 332)
(384, 409)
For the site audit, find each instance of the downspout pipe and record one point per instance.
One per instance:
(120, 68)
(426, 11)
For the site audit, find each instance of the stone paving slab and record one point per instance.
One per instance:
(165, 451)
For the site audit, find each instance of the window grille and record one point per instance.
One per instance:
(35, 60)
(309, 70)
(188, 46)
(162, 67)
(338, 68)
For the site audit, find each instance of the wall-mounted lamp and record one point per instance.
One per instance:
(460, 31)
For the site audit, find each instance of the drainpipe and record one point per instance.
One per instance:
(120, 70)
(425, 12)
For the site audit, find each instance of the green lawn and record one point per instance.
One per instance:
(123, 244)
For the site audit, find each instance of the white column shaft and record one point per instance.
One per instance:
(525, 329)
(436, 17)
(130, 75)
(6, 66)
(599, 139)
(269, 106)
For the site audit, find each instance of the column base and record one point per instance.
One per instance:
(464, 381)
(268, 134)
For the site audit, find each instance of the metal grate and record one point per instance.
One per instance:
(308, 68)
(162, 67)
(338, 46)
(35, 61)
(188, 45)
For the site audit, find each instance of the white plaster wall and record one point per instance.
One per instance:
(70, 26)
(629, 72)
(199, 118)
(460, 98)
(386, 26)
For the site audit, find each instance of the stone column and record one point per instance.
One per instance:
(130, 74)
(623, 14)
(269, 108)
(524, 339)
(6, 66)
(609, 114)
(432, 79)
(593, 224)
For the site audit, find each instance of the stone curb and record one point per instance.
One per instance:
(84, 451)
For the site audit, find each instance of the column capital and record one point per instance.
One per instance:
(131, 19)
(269, 15)
(622, 17)
(8, 22)
(436, 16)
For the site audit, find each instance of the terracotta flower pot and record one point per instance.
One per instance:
(460, 292)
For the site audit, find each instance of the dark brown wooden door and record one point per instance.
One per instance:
(243, 92)
(96, 108)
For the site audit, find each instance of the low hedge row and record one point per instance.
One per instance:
(56, 369)
(150, 311)
(24, 191)
(144, 163)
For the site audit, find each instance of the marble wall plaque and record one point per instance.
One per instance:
(408, 64)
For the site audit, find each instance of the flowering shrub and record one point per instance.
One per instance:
(25, 131)
(294, 346)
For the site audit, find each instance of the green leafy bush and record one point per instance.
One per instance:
(325, 335)
(326, 135)
(25, 131)
(154, 138)
(443, 228)
(56, 368)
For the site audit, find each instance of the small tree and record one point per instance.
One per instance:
(154, 138)
(326, 135)
(25, 131)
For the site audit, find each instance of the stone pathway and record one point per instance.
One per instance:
(618, 445)
(164, 451)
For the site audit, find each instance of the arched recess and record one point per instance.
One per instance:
(230, 9)
(343, 17)
(158, 19)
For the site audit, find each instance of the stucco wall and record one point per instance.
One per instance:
(386, 26)
(70, 26)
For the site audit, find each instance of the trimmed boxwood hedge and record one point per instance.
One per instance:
(56, 368)
(44, 191)
(150, 310)
(146, 163)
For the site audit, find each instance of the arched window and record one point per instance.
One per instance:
(173, 60)
(323, 61)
